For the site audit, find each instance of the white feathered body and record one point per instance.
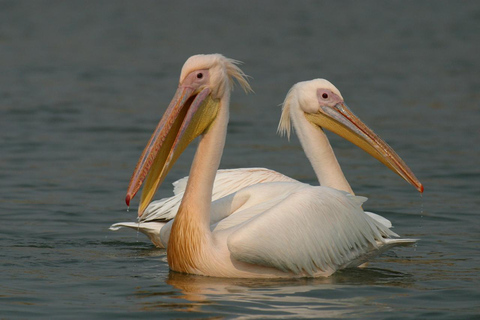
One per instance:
(301, 230)
(328, 231)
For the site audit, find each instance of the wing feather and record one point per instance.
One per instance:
(314, 230)
(226, 182)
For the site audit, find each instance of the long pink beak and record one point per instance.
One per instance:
(162, 149)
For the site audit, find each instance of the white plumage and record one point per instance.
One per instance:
(255, 227)
(227, 181)
(328, 231)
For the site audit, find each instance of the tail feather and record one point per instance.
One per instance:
(386, 245)
(150, 229)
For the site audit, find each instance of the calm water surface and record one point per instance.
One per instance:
(83, 84)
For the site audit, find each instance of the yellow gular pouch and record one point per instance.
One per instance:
(187, 126)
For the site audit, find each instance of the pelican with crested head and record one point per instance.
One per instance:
(205, 85)
(317, 104)
(274, 229)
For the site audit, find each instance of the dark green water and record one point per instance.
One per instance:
(83, 84)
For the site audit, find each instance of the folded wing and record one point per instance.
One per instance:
(316, 230)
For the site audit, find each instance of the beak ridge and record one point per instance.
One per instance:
(342, 121)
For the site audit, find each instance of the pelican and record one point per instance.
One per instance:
(272, 229)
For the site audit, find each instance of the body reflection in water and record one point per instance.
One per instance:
(335, 296)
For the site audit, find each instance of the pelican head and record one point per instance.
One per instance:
(323, 106)
(205, 85)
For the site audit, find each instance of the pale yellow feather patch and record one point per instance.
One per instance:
(285, 124)
(234, 72)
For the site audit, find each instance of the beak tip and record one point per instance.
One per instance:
(127, 200)
(421, 188)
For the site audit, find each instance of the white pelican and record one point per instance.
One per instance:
(277, 229)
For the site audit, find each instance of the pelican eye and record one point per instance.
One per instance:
(325, 95)
(199, 75)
